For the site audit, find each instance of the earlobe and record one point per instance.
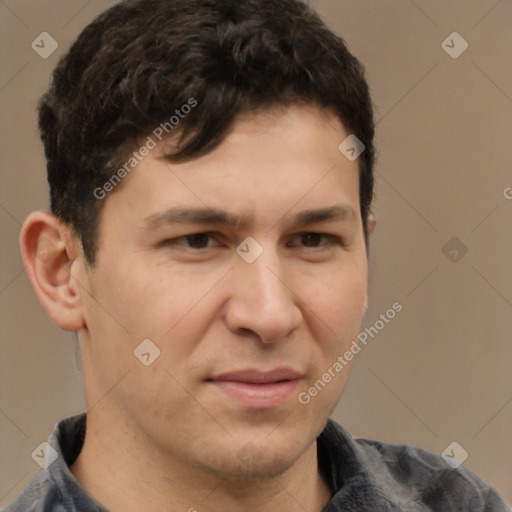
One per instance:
(365, 306)
(371, 223)
(49, 251)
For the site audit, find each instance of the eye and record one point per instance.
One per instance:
(312, 239)
(196, 241)
(319, 240)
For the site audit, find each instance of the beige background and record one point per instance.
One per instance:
(440, 371)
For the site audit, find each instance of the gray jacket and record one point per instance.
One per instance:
(364, 476)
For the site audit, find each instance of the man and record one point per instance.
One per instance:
(211, 173)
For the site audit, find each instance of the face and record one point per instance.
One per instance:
(244, 326)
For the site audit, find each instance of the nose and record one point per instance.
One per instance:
(262, 301)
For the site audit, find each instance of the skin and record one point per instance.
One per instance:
(161, 437)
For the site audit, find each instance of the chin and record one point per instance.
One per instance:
(263, 466)
(265, 457)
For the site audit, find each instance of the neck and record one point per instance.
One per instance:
(124, 473)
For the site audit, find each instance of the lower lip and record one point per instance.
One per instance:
(258, 396)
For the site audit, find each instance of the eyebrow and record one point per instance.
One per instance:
(214, 216)
(192, 216)
(331, 214)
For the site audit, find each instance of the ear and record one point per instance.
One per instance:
(371, 223)
(50, 250)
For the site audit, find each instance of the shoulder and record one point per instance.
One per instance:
(435, 482)
(39, 496)
(54, 488)
(410, 475)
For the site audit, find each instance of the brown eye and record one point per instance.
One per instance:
(318, 240)
(198, 241)
(195, 241)
(311, 239)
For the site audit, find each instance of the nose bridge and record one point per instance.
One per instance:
(265, 278)
(261, 301)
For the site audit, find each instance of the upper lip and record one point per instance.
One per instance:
(255, 376)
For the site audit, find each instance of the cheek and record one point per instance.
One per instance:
(150, 301)
(339, 300)
(335, 320)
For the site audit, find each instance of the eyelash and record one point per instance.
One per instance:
(333, 240)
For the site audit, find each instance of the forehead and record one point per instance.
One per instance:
(269, 162)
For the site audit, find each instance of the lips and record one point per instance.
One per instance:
(253, 376)
(257, 389)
